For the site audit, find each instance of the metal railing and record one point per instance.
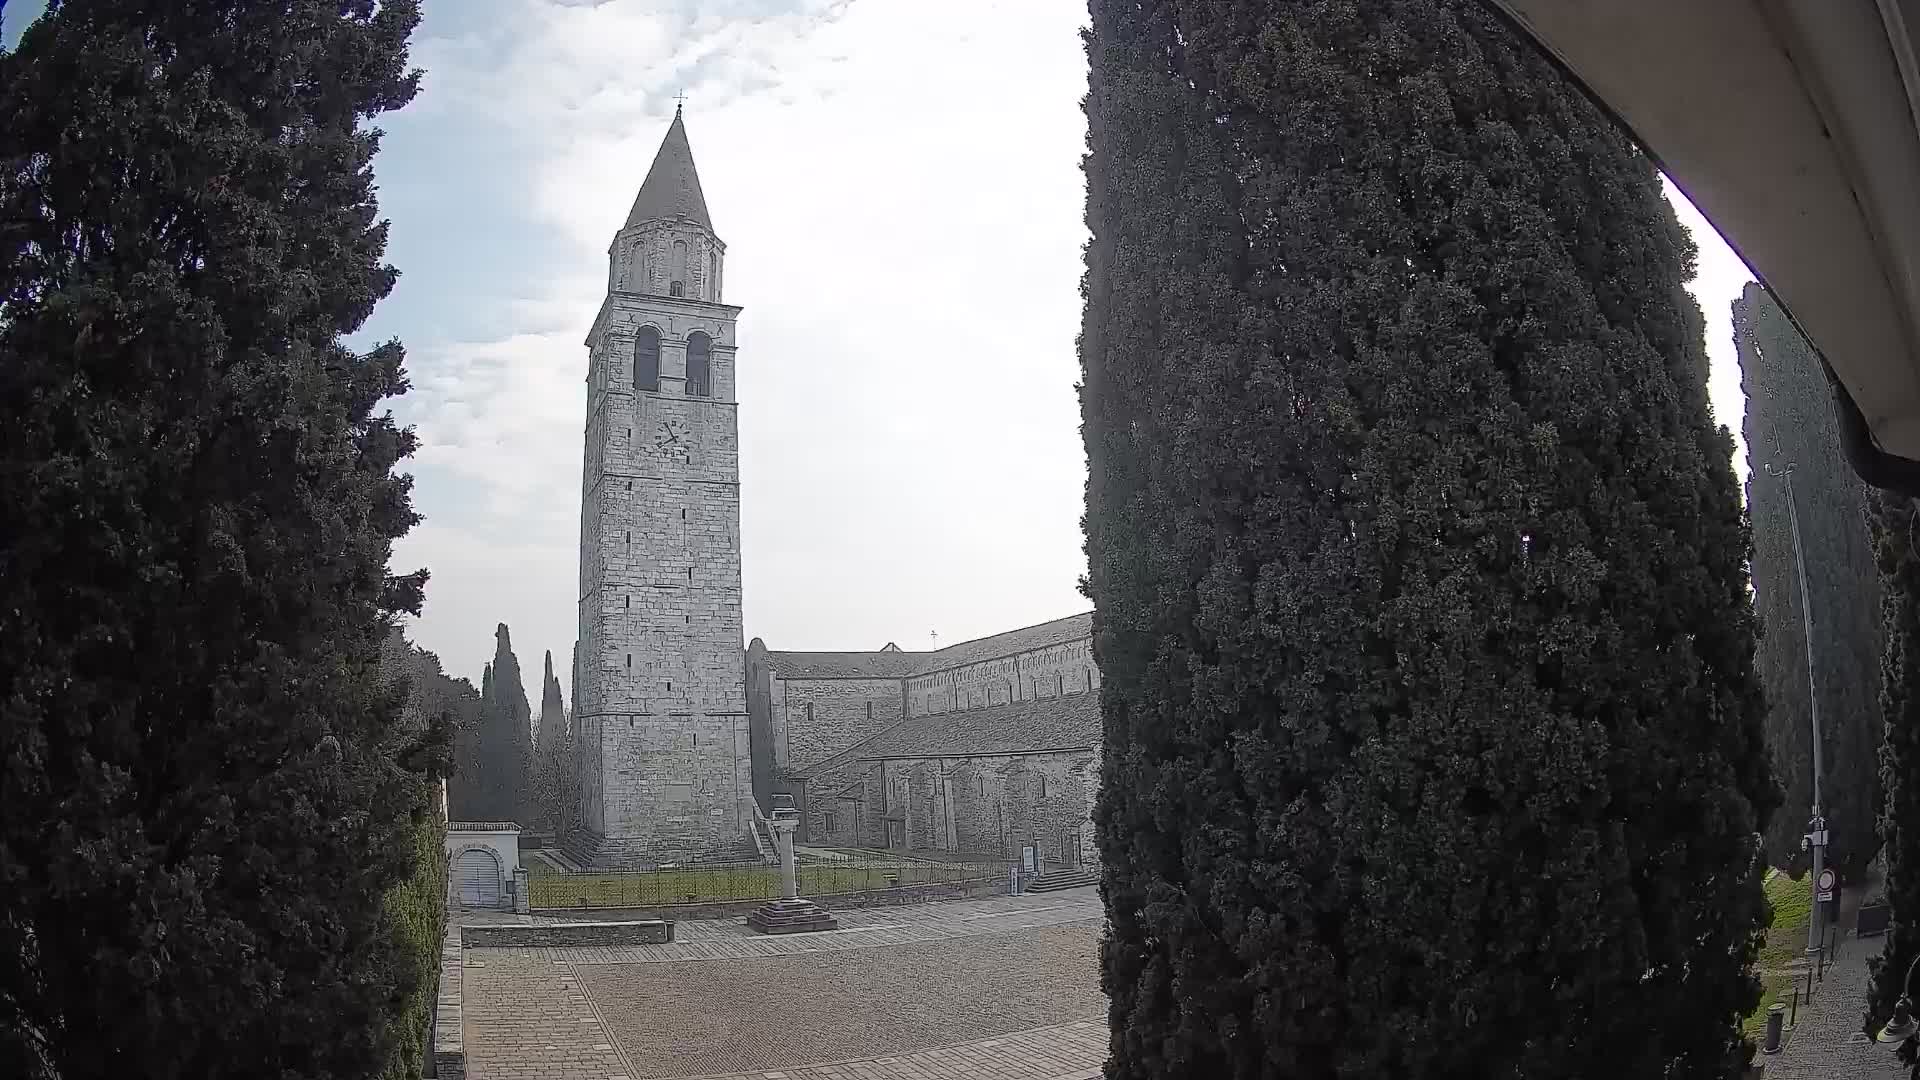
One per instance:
(721, 882)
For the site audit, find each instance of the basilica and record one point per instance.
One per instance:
(987, 748)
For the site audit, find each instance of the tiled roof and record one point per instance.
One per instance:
(843, 665)
(1025, 639)
(892, 663)
(1070, 722)
(482, 826)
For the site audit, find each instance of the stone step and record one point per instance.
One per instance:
(799, 916)
(1055, 880)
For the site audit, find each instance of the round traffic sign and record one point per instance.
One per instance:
(1826, 879)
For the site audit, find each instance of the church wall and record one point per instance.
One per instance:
(974, 806)
(814, 719)
(1038, 673)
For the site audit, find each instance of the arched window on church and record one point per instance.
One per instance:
(646, 360)
(713, 276)
(678, 282)
(699, 365)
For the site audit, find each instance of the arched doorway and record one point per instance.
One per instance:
(477, 871)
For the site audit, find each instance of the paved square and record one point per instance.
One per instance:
(997, 989)
(727, 1016)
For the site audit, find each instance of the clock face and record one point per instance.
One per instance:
(671, 437)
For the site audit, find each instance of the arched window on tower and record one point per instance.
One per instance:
(646, 360)
(713, 276)
(699, 365)
(677, 284)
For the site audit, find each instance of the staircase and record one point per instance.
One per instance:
(1065, 878)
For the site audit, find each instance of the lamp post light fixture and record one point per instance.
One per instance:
(1902, 1025)
(1815, 840)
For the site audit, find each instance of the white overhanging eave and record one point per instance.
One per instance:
(1790, 124)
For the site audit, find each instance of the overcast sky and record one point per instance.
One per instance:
(898, 185)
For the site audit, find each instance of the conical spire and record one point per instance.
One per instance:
(672, 187)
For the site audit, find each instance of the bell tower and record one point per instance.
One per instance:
(661, 721)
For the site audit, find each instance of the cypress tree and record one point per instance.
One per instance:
(510, 741)
(208, 790)
(1433, 745)
(1789, 420)
(550, 751)
(1896, 531)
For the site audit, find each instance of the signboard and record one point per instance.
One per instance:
(1823, 887)
(1030, 858)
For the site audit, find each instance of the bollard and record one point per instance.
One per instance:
(1776, 1023)
(1795, 1019)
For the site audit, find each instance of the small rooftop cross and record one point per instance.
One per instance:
(935, 635)
(679, 100)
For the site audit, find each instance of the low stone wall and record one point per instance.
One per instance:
(729, 909)
(564, 934)
(449, 1041)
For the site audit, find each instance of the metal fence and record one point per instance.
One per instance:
(714, 883)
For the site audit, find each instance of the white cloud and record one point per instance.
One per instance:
(899, 187)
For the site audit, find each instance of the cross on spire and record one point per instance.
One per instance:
(680, 99)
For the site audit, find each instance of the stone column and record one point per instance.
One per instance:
(790, 914)
(783, 828)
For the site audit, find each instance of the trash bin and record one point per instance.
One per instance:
(1776, 1026)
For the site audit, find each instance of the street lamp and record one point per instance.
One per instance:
(1816, 838)
(1902, 1026)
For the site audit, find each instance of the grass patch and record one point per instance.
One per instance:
(1786, 944)
(1792, 911)
(651, 888)
(1772, 988)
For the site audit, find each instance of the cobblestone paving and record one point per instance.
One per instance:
(524, 1018)
(1066, 1052)
(775, 1013)
(1824, 1045)
(731, 940)
(997, 989)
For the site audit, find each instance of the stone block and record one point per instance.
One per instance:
(798, 916)
(559, 935)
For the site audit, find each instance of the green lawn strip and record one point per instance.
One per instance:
(1773, 987)
(1786, 944)
(682, 886)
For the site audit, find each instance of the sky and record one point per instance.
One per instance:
(898, 185)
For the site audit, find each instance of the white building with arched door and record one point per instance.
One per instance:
(481, 859)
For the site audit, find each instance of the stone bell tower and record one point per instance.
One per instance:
(660, 690)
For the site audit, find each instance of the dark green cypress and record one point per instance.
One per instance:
(1896, 532)
(1789, 420)
(549, 753)
(206, 787)
(510, 735)
(1433, 740)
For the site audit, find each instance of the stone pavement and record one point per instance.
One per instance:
(1000, 989)
(1827, 1043)
(1066, 1052)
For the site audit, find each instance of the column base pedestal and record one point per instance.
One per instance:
(796, 916)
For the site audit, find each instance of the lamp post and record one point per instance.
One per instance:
(1816, 838)
(1901, 1026)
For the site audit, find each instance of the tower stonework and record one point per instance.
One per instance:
(661, 723)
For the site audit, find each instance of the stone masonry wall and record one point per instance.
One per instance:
(1066, 668)
(814, 719)
(981, 806)
(665, 760)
